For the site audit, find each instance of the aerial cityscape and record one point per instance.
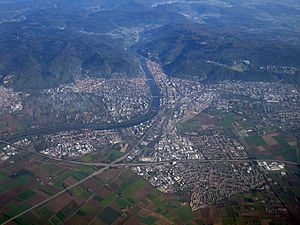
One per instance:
(149, 112)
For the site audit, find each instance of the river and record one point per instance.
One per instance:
(153, 110)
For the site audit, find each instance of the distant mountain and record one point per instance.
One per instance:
(55, 41)
(124, 18)
(41, 61)
(44, 43)
(205, 53)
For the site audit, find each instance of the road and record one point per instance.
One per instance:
(116, 163)
(105, 166)
(56, 195)
(119, 163)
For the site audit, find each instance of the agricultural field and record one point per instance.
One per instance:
(30, 179)
(272, 204)
(117, 196)
(195, 122)
(273, 146)
(227, 120)
(106, 154)
(256, 140)
(264, 142)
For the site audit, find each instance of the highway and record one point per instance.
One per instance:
(116, 164)
(104, 166)
(120, 162)
(56, 195)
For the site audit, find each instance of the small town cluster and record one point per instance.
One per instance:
(198, 141)
(10, 101)
(72, 144)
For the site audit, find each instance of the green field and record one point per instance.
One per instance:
(45, 212)
(134, 187)
(280, 150)
(115, 154)
(55, 220)
(79, 192)
(162, 207)
(3, 218)
(108, 215)
(70, 208)
(87, 210)
(108, 199)
(228, 221)
(86, 158)
(48, 190)
(255, 139)
(12, 183)
(15, 209)
(22, 125)
(281, 140)
(122, 202)
(60, 215)
(189, 125)
(184, 213)
(85, 170)
(149, 220)
(3, 175)
(78, 175)
(287, 151)
(227, 121)
(25, 219)
(26, 194)
(3, 125)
